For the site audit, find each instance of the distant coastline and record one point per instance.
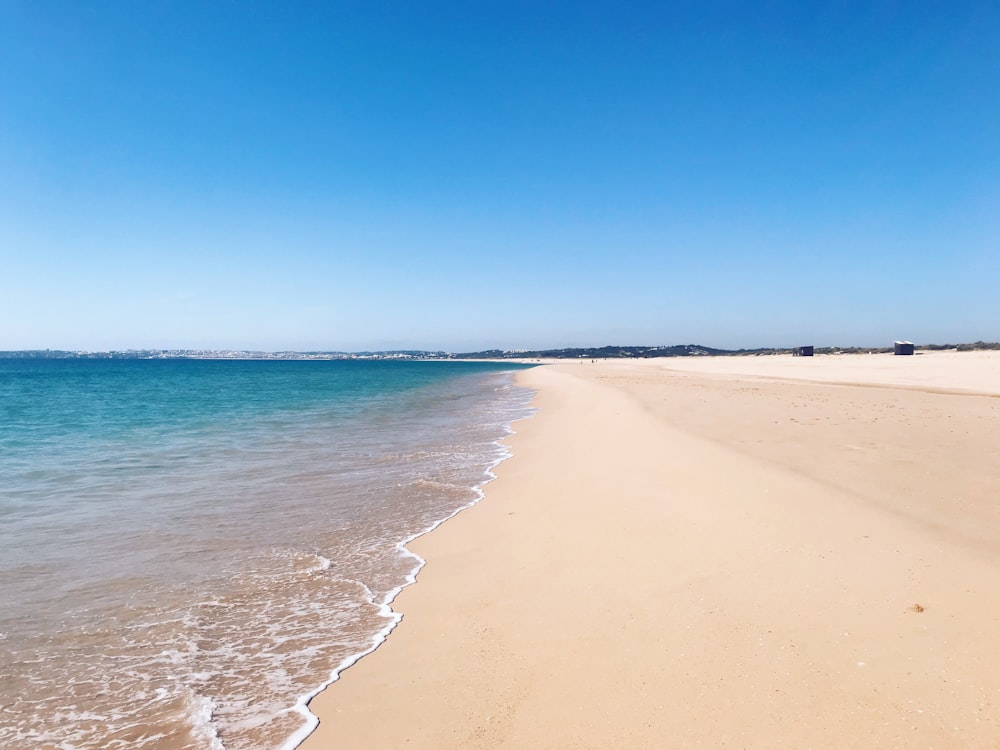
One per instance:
(603, 352)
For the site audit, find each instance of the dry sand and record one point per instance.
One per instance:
(711, 553)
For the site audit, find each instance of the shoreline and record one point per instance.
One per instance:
(656, 563)
(303, 706)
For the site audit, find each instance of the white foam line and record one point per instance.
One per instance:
(301, 706)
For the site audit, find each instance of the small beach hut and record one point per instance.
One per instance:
(803, 351)
(904, 347)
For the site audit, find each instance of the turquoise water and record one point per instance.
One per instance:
(191, 547)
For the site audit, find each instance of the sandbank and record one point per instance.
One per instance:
(700, 554)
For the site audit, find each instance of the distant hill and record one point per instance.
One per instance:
(601, 352)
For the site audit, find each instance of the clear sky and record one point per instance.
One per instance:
(476, 174)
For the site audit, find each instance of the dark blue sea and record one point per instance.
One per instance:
(189, 549)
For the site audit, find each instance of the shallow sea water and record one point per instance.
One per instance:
(188, 548)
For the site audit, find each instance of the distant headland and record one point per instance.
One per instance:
(602, 352)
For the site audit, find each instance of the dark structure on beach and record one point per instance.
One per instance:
(904, 347)
(802, 351)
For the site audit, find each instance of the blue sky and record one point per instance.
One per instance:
(469, 175)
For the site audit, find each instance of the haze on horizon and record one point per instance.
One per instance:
(364, 176)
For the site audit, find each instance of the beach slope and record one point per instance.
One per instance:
(676, 557)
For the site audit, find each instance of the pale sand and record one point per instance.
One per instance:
(674, 559)
(976, 372)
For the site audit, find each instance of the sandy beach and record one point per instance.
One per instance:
(748, 552)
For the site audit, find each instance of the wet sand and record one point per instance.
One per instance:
(711, 553)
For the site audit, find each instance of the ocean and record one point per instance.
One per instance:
(190, 549)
